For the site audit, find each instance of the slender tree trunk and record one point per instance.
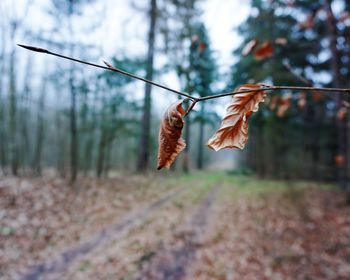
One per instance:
(186, 160)
(101, 154)
(24, 118)
(13, 107)
(201, 138)
(3, 142)
(40, 131)
(73, 118)
(143, 156)
(341, 125)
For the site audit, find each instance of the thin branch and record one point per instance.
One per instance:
(297, 76)
(194, 99)
(109, 67)
(270, 88)
(190, 107)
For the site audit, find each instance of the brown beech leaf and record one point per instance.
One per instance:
(302, 100)
(342, 112)
(249, 47)
(281, 41)
(264, 51)
(233, 132)
(284, 105)
(317, 96)
(308, 23)
(339, 160)
(170, 141)
(344, 16)
(274, 100)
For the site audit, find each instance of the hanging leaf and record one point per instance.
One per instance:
(274, 100)
(317, 96)
(339, 160)
(284, 105)
(249, 47)
(202, 47)
(281, 41)
(302, 100)
(344, 16)
(264, 51)
(233, 132)
(341, 114)
(170, 141)
(308, 23)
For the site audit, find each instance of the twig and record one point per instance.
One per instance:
(109, 67)
(296, 75)
(270, 88)
(194, 99)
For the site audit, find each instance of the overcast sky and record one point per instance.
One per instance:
(124, 30)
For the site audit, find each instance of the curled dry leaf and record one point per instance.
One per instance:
(317, 96)
(274, 100)
(264, 51)
(281, 41)
(249, 47)
(233, 132)
(344, 16)
(339, 160)
(308, 23)
(341, 114)
(284, 105)
(302, 100)
(170, 141)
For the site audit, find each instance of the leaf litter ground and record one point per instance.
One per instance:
(220, 227)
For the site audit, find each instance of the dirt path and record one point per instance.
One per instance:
(172, 264)
(62, 262)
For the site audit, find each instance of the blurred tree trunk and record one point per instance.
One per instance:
(143, 156)
(24, 117)
(13, 105)
(186, 160)
(40, 131)
(101, 153)
(201, 137)
(3, 155)
(335, 67)
(73, 118)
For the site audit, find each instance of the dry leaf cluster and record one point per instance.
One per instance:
(233, 132)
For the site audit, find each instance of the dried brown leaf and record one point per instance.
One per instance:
(308, 23)
(274, 100)
(264, 51)
(339, 160)
(281, 41)
(317, 96)
(170, 141)
(284, 104)
(233, 132)
(341, 114)
(302, 100)
(249, 47)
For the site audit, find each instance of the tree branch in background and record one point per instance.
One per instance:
(297, 76)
